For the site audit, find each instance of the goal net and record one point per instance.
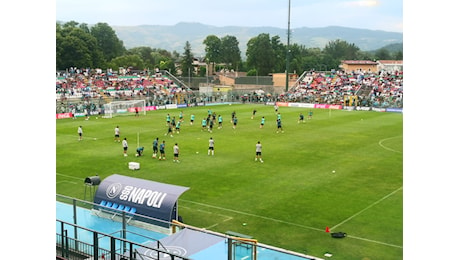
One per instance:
(127, 107)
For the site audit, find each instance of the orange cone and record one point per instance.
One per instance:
(327, 230)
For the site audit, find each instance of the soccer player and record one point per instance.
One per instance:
(301, 118)
(235, 122)
(279, 126)
(262, 122)
(176, 152)
(155, 148)
(211, 124)
(170, 131)
(124, 143)
(178, 126)
(204, 123)
(259, 152)
(233, 116)
(219, 120)
(117, 134)
(310, 114)
(80, 133)
(139, 151)
(211, 146)
(162, 151)
(168, 119)
(192, 118)
(253, 113)
(173, 121)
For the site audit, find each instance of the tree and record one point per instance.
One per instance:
(383, 54)
(212, 48)
(107, 41)
(146, 54)
(126, 61)
(187, 60)
(280, 54)
(340, 49)
(230, 52)
(76, 47)
(260, 54)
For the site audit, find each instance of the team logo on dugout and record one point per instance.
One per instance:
(113, 190)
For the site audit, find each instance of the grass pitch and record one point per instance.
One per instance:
(342, 170)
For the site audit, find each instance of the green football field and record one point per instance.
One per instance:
(341, 170)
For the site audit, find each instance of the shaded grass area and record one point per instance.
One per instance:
(288, 200)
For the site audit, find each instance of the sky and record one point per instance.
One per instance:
(386, 15)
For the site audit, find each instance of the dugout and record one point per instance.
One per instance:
(147, 198)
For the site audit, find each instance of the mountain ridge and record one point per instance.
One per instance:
(173, 37)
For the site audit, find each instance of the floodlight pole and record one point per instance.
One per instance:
(287, 48)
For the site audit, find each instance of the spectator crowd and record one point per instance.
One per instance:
(81, 90)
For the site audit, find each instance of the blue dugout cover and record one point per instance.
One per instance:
(149, 198)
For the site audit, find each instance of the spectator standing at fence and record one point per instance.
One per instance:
(80, 133)
(74, 116)
(125, 147)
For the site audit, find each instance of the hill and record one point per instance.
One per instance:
(173, 38)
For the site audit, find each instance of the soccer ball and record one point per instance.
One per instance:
(197, 152)
(137, 154)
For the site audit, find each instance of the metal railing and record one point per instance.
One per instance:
(73, 248)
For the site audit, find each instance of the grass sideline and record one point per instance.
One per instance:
(287, 201)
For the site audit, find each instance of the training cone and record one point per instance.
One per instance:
(327, 230)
